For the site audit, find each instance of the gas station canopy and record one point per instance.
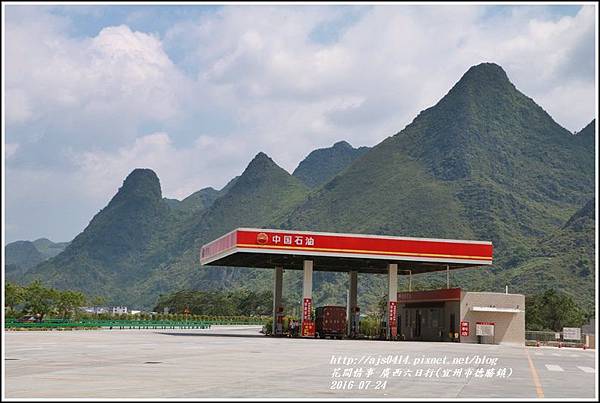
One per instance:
(270, 248)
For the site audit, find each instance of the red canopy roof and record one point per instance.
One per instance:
(269, 248)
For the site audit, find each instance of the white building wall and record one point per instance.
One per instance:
(117, 310)
(509, 327)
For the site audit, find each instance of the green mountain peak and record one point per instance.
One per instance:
(485, 71)
(261, 168)
(483, 89)
(141, 182)
(342, 144)
(261, 161)
(484, 80)
(323, 164)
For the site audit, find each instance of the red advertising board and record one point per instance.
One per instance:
(392, 319)
(464, 328)
(308, 328)
(308, 325)
(307, 309)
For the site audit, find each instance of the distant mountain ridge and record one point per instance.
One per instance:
(20, 256)
(23, 254)
(48, 248)
(321, 165)
(200, 200)
(486, 162)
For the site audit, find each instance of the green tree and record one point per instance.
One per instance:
(38, 299)
(98, 300)
(13, 296)
(553, 310)
(371, 325)
(67, 301)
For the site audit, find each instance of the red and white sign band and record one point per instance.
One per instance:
(277, 241)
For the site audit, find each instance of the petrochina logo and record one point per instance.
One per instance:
(262, 238)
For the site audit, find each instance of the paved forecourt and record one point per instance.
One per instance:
(226, 362)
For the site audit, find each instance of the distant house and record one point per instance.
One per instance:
(114, 310)
(94, 309)
(117, 310)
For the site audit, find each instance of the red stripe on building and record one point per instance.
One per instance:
(445, 294)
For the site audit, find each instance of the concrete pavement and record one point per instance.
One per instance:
(238, 362)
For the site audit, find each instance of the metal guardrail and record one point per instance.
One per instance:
(547, 338)
(111, 324)
(247, 322)
(126, 324)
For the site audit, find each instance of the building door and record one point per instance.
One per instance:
(418, 324)
(452, 328)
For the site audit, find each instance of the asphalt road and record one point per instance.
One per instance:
(238, 363)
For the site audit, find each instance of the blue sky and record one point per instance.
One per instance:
(89, 20)
(195, 91)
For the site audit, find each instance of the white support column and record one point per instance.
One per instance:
(392, 300)
(307, 323)
(447, 276)
(353, 303)
(277, 302)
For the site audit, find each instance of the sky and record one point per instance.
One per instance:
(194, 92)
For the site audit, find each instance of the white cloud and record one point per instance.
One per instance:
(252, 60)
(106, 86)
(182, 171)
(253, 78)
(292, 94)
